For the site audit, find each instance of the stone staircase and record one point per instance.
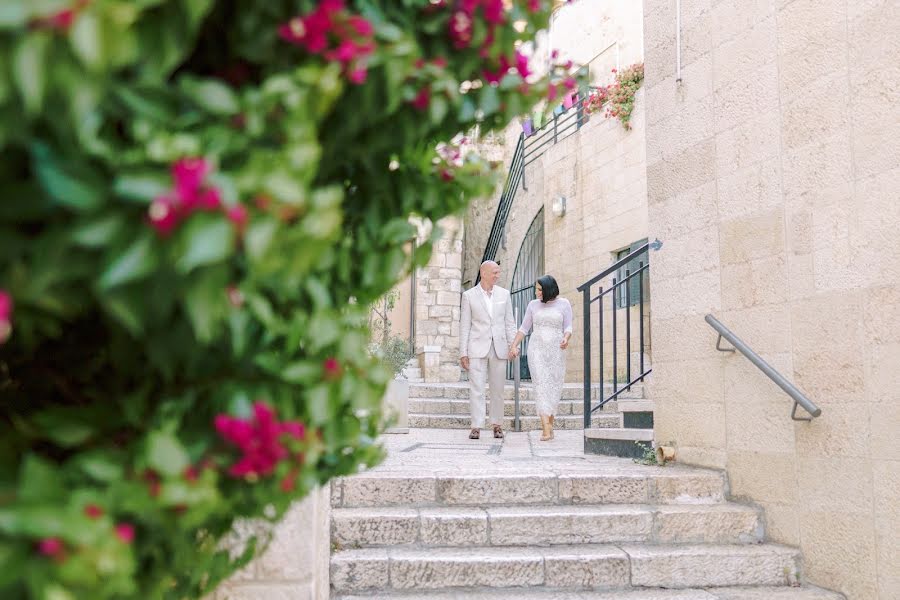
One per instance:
(446, 406)
(560, 531)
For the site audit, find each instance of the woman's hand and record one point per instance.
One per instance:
(564, 343)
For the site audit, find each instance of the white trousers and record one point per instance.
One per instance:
(491, 368)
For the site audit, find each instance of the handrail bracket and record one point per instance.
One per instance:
(794, 413)
(719, 345)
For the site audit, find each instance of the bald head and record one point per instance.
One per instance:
(490, 273)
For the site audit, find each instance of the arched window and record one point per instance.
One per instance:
(529, 266)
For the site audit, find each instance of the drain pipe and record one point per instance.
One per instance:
(677, 41)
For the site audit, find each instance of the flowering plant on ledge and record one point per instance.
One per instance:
(617, 98)
(200, 199)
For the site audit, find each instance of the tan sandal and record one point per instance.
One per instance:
(546, 430)
(474, 434)
(498, 432)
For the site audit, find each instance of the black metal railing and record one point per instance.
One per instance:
(634, 267)
(790, 389)
(559, 127)
(513, 178)
(529, 149)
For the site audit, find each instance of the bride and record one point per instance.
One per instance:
(551, 317)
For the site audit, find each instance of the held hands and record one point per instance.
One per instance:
(513, 352)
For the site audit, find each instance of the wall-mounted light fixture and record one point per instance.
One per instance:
(558, 207)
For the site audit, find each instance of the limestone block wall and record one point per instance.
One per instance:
(772, 178)
(438, 304)
(296, 563)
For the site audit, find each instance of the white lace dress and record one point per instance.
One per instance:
(546, 360)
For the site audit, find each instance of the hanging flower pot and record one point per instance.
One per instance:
(527, 127)
(569, 100)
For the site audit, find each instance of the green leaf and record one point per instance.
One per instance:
(98, 233)
(301, 372)
(165, 454)
(213, 96)
(70, 186)
(489, 102)
(438, 109)
(204, 240)
(467, 110)
(99, 465)
(206, 303)
(63, 427)
(13, 14)
(39, 481)
(29, 62)
(141, 187)
(322, 332)
(135, 262)
(86, 37)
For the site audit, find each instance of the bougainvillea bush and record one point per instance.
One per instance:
(200, 199)
(618, 97)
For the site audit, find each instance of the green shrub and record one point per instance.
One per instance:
(200, 198)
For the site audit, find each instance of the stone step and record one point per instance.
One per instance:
(623, 442)
(544, 525)
(454, 406)
(571, 567)
(720, 593)
(529, 423)
(570, 391)
(645, 485)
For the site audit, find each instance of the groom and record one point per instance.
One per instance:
(486, 329)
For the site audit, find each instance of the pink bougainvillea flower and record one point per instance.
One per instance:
(188, 175)
(6, 309)
(358, 75)
(235, 296)
(163, 214)
(154, 485)
(331, 31)
(93, 511)
(440, 62)
(522, 65)
(259, 439)
(52, 547)
(125, 532)
(191, 474)
(422, 99)
(362, 27)
(493, 11)
(238, 215)
(332, 368)
(534, 5)
(61, 20)
(461, 29)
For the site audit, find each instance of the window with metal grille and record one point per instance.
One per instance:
(634, 284)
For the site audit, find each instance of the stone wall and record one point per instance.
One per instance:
(437, 306)
(296, 564)
(772, 182)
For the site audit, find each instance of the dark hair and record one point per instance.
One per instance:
(549, 288)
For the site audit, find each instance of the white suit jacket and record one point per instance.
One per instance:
(478, 329)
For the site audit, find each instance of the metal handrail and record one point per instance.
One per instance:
(799, 397)
(510, 186)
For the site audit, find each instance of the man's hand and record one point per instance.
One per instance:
(513, 352)
(464, 362)
(564, 343)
